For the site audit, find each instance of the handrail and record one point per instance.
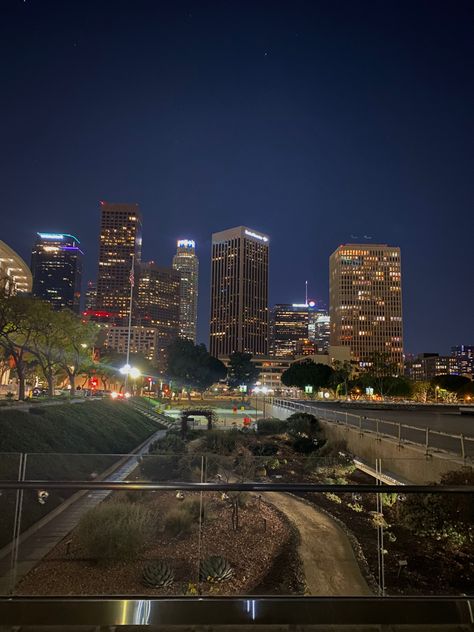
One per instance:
(341, 417)
(249, 487)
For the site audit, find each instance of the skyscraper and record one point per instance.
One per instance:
(365, 301)
(239, 292)
(56, 266)
(186, 263)
(288, 326)
(120, 244)
(158, 305)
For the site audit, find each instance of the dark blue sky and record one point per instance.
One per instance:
(312, 121)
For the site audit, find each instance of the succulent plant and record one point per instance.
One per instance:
(215, 568)
(158, 574)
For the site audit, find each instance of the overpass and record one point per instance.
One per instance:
(415, 453)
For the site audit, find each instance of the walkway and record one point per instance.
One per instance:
(329, 563)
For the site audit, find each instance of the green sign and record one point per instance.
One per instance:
(242, 388)
(308, 389)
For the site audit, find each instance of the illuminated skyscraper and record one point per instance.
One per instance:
(288, 326)
(56, 266)
(15, 275)
(239, 292)
(120, 241)
(158, 302)
(365, 297)
(186, 263)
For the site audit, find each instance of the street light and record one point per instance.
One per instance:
(264, 390)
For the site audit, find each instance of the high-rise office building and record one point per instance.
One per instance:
(288, 327)
(15, 275)
(239, 292)
(365, 301)
(90, 296)
(465, 357)
(158, 305)
(186, 263)
(319, 328)
(120, 244)
(56, 266)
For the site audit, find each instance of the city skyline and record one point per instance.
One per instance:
(281, 121)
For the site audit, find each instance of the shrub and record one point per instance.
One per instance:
(157, 574)
(160, 468)
(264, 449)
(169, 444)
(115, 531)
(333, 497)
(215, 569)
(221, 442)
(178, 522)
(304, 445)
(271, 426)
(303, 424)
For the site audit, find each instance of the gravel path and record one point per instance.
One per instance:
(329, 563)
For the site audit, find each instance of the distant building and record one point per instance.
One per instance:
(319, 328)
(56, 266)
(90, 296)
(288, 327)
(120, 244)
(158, 305)
(186, 263)
(465, 357)
(426, 366)
(306, 347)
(365, 303)
(239, 292)
(15, 275)
(143, 340)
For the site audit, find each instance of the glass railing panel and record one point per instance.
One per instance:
(11, 469)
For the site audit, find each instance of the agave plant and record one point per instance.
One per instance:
(215, 569)
(158, 574)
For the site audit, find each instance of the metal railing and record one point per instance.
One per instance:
(431, 440)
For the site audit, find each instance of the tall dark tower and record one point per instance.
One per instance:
(120, 244)
(56, 266)
(239, 292)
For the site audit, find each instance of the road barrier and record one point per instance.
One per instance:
(431, 440)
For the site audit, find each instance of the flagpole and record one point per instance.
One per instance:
(132, 283)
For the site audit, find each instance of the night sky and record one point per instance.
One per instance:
(311, 121)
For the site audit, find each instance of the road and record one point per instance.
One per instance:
(436, 419)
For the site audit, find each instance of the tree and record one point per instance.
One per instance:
(381, 368)
(192, 367)
(77, 341)
(341, 375)
(452, 383)
(242, 371)
(308, 373)
(16, 330)
(45, 341)
(420, 391)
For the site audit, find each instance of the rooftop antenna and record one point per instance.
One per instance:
(306, 293)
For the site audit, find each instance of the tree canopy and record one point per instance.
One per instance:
(242, 371)
(192, 367)
(308, 373)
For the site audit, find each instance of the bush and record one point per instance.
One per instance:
(303, 424)
(178, 522)
(170, 444)
(271, 426)
(115, 531)
(221, 442)
(160, 468)
(304, 445)
(264, 449)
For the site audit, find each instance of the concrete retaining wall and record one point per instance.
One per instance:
(408, 462)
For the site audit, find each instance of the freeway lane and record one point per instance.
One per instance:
(440, 420)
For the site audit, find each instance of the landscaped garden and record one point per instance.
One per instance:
(188, 543)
